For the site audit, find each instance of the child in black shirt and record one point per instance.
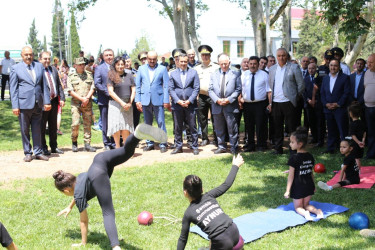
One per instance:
(300, 184)
(349, 169)
(357, 132)
(205, 211)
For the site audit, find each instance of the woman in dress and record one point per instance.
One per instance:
(121, 88)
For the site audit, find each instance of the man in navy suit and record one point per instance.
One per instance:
(100, 79)
(184, 89)
(357, 88)
(334, 93)
(56, 92)
(29, 94)
(151, 95)
(224, 89)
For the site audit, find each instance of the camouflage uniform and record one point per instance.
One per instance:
(81, 84)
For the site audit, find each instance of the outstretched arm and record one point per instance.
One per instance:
(66, 211)
(236, 163)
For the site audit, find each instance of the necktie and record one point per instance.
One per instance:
(51, 88)
(252, 94)
(31, 72)
(304, 73)
(222, 86)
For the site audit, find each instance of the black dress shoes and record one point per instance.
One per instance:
(176, 151)
(196, 151)
(56, 151)
(163, 150)
(148, 148)
(28, 158)
(46, 152)
(41, 157)
(220, 151)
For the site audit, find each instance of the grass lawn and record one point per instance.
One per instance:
(29, 208)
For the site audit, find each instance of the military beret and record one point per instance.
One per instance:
(177, 52)
(79, 60)
(205, 49)
(328, 54)
(142, 55)
(337, 51)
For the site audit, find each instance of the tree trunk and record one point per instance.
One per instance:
(192, 26)
(286, 29)
(352, 55)
(256, 13)
(268, 29)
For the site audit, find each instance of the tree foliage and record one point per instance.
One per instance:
(74, 37)
(33, 40)
(141, 44)
(58, 28)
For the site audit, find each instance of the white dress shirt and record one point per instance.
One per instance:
(332, 81)
(7, 64)
(345, 69)
(278, 85)
(261, 86)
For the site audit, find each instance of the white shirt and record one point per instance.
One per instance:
(183, 77)
(345, 69)
(332, 81)
(278, 95)
(304, 72)
(7, 64)
(151, 72)
(261, 86)
(53, 81)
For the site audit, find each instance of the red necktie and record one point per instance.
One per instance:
(51, 88)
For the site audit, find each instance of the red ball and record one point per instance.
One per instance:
(145, 218)
(319, 168)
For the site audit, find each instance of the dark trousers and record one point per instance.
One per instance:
(256, 120)
(33, 118)
(299, 109)
(227, 239)
(204, 105)
(107, 141)
(283, 113)
(136, 115)
(317, 123)
(99, 174)
(337, 124)
(225, 122)
(186, 116)
(370, 119)
(4, 80)
(238, 120)
(51, 118)
(5, 239)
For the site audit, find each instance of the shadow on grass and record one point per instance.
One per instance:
(99, 239)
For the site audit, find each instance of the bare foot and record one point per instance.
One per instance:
(320, 214)
(308, 216)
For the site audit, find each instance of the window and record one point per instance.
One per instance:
(226, 47)
(240, 45)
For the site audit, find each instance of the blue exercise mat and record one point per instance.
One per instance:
(255, 225)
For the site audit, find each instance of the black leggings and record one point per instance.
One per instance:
(5, 238)
(227, 239)
(99, 173)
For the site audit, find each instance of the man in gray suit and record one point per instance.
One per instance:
(29, 94)
(224, 89)
(286, 82)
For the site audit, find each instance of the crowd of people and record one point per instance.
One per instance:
(271, 93)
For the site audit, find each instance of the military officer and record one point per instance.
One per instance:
(81, 87)
(204, 70)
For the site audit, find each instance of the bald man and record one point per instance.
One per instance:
(29, 94)
(151, 88)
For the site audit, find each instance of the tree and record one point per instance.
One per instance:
(182, 14)
(33, 40)
(258, 20)
(44, 43)
(141, 44)
(58, 32)
(74, 37)
(353, 19)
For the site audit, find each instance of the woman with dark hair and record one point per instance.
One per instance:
(121, 88)
(96, 182)
(206, 213)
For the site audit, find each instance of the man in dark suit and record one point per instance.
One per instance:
(357, 88)
(184, 89)
(56, 92)
(100, 79)
(286, 83)
(29, 94)
(334, 93)
(224, 89)
(313, 105)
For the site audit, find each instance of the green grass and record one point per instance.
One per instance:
(29, 207)
(11, 136)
